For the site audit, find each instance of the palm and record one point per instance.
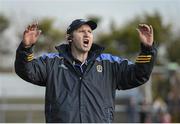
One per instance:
(146, 34)
(31, 35)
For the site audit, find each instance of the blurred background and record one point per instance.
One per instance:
(156, 101)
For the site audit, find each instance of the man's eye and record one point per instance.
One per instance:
(85, 31)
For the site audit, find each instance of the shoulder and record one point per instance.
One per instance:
(111, 58)
(51, 56)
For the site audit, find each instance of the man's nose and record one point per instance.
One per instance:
(86, 33)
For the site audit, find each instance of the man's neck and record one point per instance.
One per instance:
(79, 56)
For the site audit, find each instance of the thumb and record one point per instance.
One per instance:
(38, 33)
(138, 31)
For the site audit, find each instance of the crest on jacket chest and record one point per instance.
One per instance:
(99, 68)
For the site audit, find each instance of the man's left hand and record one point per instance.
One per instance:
(146, 34)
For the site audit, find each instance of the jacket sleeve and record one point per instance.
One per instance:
(28, 68)
(130, 75)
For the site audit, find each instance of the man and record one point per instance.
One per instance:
(80, 80)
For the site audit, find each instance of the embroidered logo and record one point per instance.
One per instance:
(99, 68)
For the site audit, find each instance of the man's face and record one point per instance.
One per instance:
(82, 39)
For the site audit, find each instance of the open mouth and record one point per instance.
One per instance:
(86, 42)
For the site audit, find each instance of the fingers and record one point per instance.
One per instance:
(140, 33)
(144, 27)
(32, 27)
(151, 29)
(38, 33)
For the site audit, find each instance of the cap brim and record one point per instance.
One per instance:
(92, 24)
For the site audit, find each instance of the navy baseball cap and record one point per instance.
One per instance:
(78, 22)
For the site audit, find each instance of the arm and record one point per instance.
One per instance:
(28, 68)
(133, 75)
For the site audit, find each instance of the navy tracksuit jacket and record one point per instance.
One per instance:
(83, 93)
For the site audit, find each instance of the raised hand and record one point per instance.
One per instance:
(146, 34)
(31, 35)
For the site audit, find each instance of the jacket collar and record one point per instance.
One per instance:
(64, 50)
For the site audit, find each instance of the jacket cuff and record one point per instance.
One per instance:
(22, 48)
(147, 48)
(25, 54)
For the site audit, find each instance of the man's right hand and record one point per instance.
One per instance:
(31, 35)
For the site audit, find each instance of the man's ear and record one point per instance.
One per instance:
(69, 38)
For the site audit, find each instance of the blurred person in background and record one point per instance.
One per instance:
(173, 98)
(166, 118)
(145, 112)
(80, 79)
(159, 108)
(132, 111)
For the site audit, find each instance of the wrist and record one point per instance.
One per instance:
(26, 46)
(146, 47)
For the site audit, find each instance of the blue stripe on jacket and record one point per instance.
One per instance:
(50, 55)
(112, 58)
